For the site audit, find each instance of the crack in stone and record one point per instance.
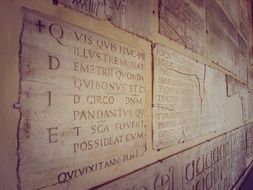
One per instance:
(183, 137)
(40, 82)
(203, 88)
(198, 81)
(20, 111)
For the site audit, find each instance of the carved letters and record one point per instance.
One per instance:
(83, 102)
(185, 105)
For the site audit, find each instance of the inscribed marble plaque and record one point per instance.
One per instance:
(133, 16)
(177, 97)
(187, 100)
(207, 166)
(180, 22)
(83, 103)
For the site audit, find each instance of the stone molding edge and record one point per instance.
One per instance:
(243, 176)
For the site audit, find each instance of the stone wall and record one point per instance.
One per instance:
(125, 94)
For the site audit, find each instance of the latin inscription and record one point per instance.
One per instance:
(118, 12)
(185, 105)
(83, 102)
(179, 22)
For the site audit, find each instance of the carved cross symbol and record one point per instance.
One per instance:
(40, 25)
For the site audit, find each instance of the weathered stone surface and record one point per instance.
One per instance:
(213, 98)
(235, 88)
(225, 47)
(133, 16)
(83, 102)
(199, 3)
(186, 103)
(206, 166)
(158, 176)
(238, 162)
(183, 24)
(245, 7)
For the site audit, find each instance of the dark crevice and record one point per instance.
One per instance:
(20, 112)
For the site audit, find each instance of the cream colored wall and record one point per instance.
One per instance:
(10, 24)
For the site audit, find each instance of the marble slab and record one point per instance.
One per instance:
(187, 100)
(83, 102)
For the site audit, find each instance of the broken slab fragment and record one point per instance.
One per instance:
(187, 100)
(178, 99)
(239, 90)
(207, 166)
(238, 162)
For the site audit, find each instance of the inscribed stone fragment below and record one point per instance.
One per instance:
(181, 23)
